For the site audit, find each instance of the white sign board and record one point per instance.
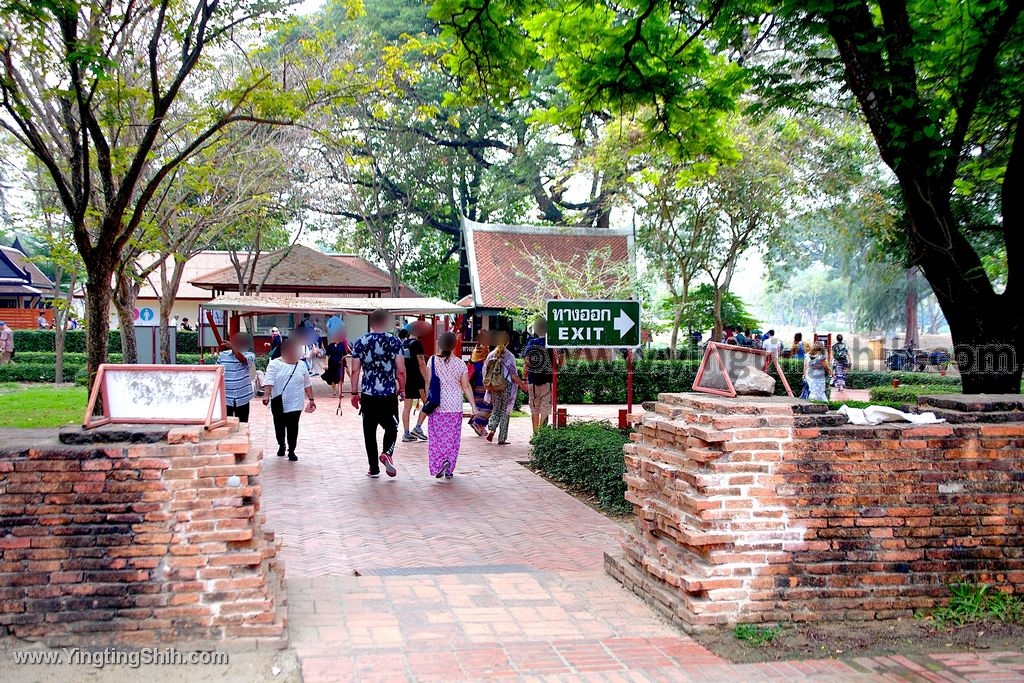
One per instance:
(158, 394)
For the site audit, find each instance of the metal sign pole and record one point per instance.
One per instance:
(555, 422)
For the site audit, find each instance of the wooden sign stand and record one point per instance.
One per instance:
(210, 420)
(712, 351)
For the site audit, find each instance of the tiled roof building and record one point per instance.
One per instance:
(501, 273)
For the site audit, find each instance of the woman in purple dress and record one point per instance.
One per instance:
(449, 374)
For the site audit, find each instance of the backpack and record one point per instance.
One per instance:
(494, 378)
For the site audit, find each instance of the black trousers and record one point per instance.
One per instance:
(286, 426)
(241, 412)
(379, 411)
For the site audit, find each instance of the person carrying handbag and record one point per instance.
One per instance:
(286, 381)
(449, 382)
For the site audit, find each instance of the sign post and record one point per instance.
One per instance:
(595, 324)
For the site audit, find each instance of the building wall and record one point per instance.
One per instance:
(122, 541)
(746, 512)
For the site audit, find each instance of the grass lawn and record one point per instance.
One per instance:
(41, 405)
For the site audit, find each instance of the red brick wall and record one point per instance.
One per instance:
(747, 512)
(137, 542)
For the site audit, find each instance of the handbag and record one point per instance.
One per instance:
(434, 392)
(277, 402)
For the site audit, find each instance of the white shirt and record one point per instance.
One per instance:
(292, 391)
(773, 346)
(450, 374)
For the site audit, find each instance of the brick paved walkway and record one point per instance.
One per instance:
(496, 574)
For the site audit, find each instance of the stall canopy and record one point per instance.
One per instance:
(306, 304)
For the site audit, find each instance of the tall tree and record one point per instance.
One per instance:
(88, 87)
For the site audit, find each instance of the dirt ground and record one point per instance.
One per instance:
(845, 640)
(253, 666)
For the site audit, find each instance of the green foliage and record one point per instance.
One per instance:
(586, 456)
(756, 635)
(865, 379)
(74, 341)
(41, 407)
(699, 313)
(908, 393)
(604, 382)
(974, 602)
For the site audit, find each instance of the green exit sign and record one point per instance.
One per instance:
(597, 324)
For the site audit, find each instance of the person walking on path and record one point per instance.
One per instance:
(239, 363)
(816, 370)
(840, 363)
(476, 379)
(337, 351)
(450, 377)
(799, 350)
(275, 343)
(377, 372)
(415, 381)
(539, 364)
(6, 343)
(502, 382)
(286, 381)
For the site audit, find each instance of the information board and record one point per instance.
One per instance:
(161, 394)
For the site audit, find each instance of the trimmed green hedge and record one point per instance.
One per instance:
(605, 381)
(866, 379)
(908, 393)
(586, 456)
(74, 341)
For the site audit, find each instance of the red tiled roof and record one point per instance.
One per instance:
(300, 268)
(501, 272)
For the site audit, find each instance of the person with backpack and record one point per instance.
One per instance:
(502, 383)
(377, 375)
(539, 363)
(840, 363)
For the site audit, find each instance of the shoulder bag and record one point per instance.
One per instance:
(434, 392)
(277, 402)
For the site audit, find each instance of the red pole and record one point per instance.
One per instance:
(629, 382)
(554, 389)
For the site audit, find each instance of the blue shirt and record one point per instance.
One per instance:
(376, 352)
(237, 382)
(538, 362)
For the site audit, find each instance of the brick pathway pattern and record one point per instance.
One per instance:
(493, 575)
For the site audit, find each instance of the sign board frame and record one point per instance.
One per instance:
(552, 342)
(212, 419)
(730, 390)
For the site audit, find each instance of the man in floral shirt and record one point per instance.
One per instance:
(378, 375)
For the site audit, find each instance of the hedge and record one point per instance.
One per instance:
(605, 381)
(866, 379)
(74, 341)
(586, 456)
(908, 393)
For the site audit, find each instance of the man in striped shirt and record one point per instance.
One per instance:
(239, 365)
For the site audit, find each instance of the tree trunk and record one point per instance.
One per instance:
(677, 321)
(97, 314)
(985, 326)
(716, 333)
(911, 309)
(58, 348)
(124, 301)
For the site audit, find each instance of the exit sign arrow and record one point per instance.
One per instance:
(593, 324)
(623, 324)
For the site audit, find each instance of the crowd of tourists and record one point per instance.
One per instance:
(390, 377)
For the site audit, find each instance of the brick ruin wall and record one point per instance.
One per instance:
(136, 542)
(747, 510)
